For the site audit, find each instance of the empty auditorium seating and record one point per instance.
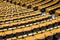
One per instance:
(29, 19)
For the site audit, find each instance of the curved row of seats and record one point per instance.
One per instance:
(29, 20)
(55, 22)
(40, 35)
